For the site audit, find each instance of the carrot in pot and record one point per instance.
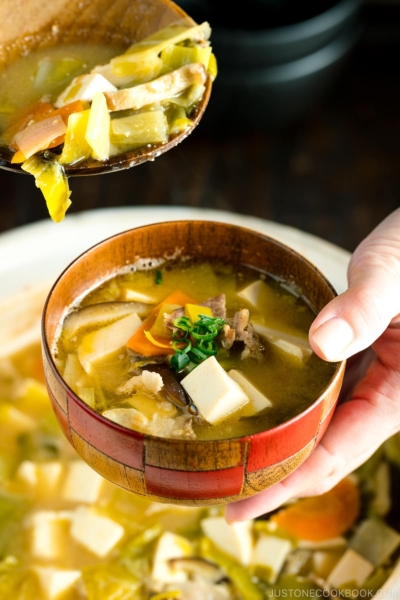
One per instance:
(40, 135)
(141, 344)
(68, 109)
(19, 157)
(322, 517)
(40, 110)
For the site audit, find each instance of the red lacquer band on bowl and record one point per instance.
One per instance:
(190, 472)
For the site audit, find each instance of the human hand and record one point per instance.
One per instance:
(367, 314)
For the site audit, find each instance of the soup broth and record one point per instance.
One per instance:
(281, 367)
(46, 72)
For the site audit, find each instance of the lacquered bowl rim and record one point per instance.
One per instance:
(339, 367)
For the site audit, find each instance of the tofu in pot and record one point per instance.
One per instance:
(235, 539)
(84, 87)
(82, 484)
(270, 553)
(104, 343)
(97, 533)
(213, 392)
(257, 399)
(351, 568)
(170, 545)
(55, 583)
(296, 347)
(49, 534)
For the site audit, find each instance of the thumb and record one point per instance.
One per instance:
(358, 317)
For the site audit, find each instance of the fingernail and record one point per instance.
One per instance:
(333, 337)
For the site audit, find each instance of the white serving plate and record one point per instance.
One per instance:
(34, 255)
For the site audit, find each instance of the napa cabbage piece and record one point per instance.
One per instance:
(16, 583)
(189, 98)
(105, 581)
(177, 119)
(50, 178)
(139, 130)
(76, 147)
(98, 128)
(56, 70)
(178, 56)
(239, 575)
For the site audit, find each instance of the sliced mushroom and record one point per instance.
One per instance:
(100, 314)
(196, 566)
(172, 388)
(158, 90)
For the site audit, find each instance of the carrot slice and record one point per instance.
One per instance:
(139, 342)
(39, 135)
(57, 141)
(152, 339)
(40, 110)
(322, 517)
(68, 109)
(19, 157)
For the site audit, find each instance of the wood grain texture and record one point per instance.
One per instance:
(26, 26)
(264, 478)
(186, 456)
(189, 472)
(121, 475)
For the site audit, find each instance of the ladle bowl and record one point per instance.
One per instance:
(26, 25)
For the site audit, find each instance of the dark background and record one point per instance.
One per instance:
(334, 173)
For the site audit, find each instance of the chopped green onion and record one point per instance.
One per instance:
(202, 333)
(202, 336)
(179, 361)
(158, 277)
(178, 348)
(207, 347)
(197, 356)
(183, 323)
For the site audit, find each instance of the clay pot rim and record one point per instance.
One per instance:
(338, 372)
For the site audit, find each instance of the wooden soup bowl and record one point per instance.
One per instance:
(31, 24)
(182, 471)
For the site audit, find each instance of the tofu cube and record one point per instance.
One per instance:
(133, 296)
(351, 568)
(235, 539)
(82, 484)
(293, 345)
(42, 478)
(375, 541)
(214, 393)
(258, 294)
(170, 545)
(54, 583)
(257, 399)
(270, 553)
(27, 473)
(84, 87)
(49, 534)
(50, 475)
(106, 342)
(97, 533)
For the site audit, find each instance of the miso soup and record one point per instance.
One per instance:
(193, 350)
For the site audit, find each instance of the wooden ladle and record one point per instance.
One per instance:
(29, 24)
